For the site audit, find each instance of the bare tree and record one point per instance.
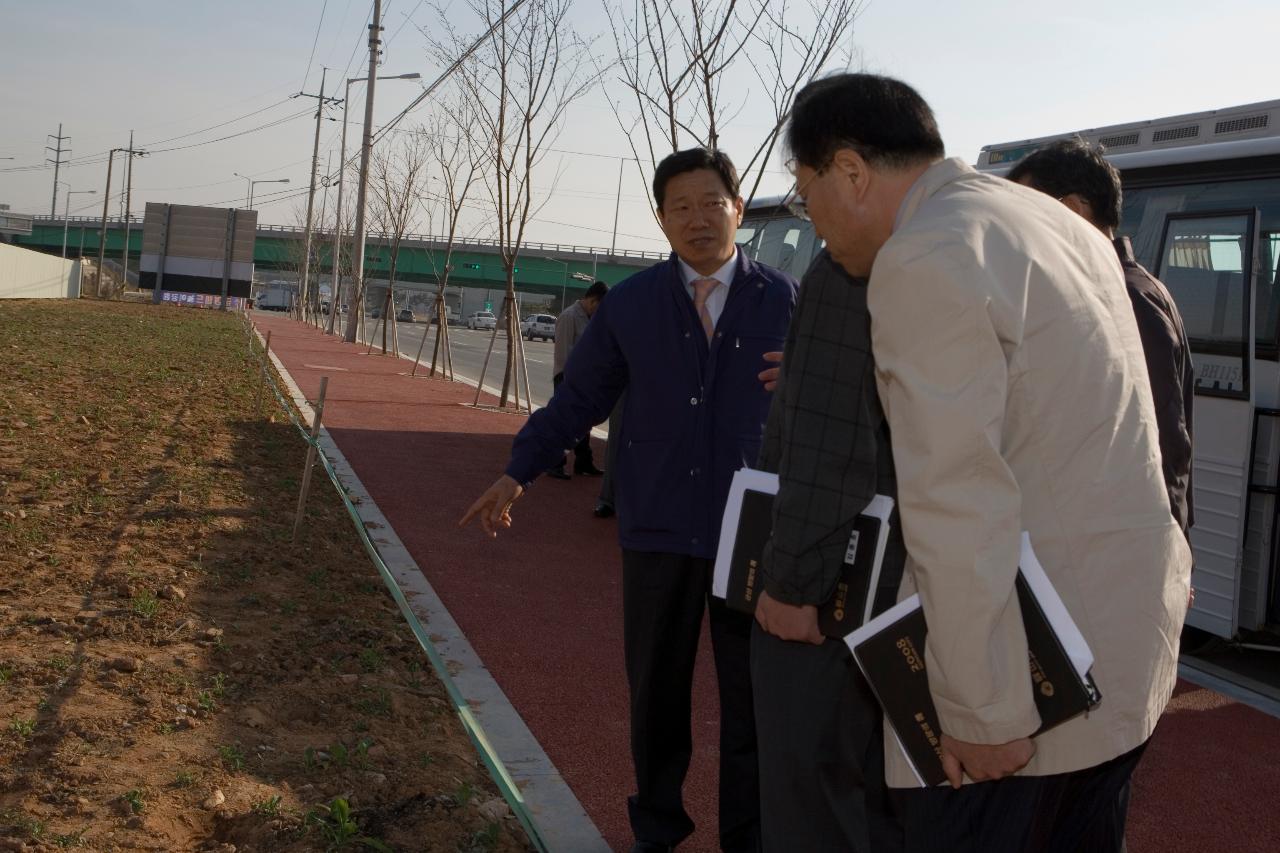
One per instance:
(668, 90)
(520, 82)
(397, 179)
(461, 159)
(292, 256)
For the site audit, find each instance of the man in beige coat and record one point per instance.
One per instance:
(1012, 375)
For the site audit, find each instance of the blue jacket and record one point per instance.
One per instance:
(695, 413)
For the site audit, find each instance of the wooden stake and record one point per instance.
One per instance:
(266, 359)
(311, 457)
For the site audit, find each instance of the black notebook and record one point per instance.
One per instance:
(746, 528)
(890, 651)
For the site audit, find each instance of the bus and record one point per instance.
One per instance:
(1202, 209)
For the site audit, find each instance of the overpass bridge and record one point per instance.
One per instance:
(551, 269)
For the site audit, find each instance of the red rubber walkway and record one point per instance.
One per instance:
(541, 605)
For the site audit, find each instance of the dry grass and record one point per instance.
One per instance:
(162, 642)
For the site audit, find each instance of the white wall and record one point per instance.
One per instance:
(25, 274)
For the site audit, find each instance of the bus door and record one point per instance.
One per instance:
(1207, 261)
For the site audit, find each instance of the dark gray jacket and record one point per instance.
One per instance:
(828, 441)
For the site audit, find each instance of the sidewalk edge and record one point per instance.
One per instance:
(561, 819)
(1212, 677)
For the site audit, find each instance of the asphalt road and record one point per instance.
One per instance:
(469, 349)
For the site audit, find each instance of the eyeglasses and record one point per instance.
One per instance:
(796, 203)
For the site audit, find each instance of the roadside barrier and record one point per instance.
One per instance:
(510, 792)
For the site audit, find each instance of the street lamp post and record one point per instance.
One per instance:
(252, 183)
(66, 208)
(337, 219)
(581, 276)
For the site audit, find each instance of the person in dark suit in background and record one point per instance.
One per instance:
(1080, 177)
(604, 503)
(685, 339)
(570, 326)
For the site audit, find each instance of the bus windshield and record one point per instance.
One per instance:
(782, 241)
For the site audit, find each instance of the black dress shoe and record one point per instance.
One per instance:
(589, 470)
(603, 510)
(557, 473)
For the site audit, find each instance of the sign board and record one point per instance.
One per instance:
(192, 249)
(201, 300)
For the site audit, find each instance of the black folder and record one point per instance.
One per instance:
(746, 528)
(890, 651)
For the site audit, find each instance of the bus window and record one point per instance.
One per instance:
(1143, 221)
(1204, 263)
(786, 243)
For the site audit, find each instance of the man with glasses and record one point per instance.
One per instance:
(1011, 371)
(685, 339)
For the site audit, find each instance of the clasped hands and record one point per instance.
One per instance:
(980, 762)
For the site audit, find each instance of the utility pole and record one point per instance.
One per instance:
(304, 286)
(613, 243)
(324, 206)
(102, 235)
(106, 202)
(128, 198)
(58, 163)
(340, 295)
(366, 145)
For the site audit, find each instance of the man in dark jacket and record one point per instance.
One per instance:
(821, 761)
(685, 340)
(1079, 177)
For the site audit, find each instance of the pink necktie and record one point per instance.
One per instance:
(702, 288)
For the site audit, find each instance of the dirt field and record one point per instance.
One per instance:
(175, 674)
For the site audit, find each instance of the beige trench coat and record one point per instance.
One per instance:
(1012, 374)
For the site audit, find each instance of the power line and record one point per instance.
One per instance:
(337, 35)
(406, 20)
(95, 159)
(267, 126)
(359, 41)
(221, 124)
(319, 24)
(427, 91)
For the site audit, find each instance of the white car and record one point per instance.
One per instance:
(539, 326)
(482, 320)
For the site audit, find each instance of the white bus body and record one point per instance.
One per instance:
(1202, 208)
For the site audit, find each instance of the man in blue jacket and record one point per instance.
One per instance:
(685, 340)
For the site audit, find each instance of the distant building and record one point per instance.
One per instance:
(13, 224)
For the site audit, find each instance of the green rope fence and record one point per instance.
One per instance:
(497, 771)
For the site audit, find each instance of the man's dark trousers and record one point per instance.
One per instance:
(824, 757)
(583, 459)
(1079, 812)
(663, 599)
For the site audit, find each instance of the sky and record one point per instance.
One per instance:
(173, 70)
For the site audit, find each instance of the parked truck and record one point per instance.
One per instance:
(274, 297)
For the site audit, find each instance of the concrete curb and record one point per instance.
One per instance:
(1232, 685)
(558, 814)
